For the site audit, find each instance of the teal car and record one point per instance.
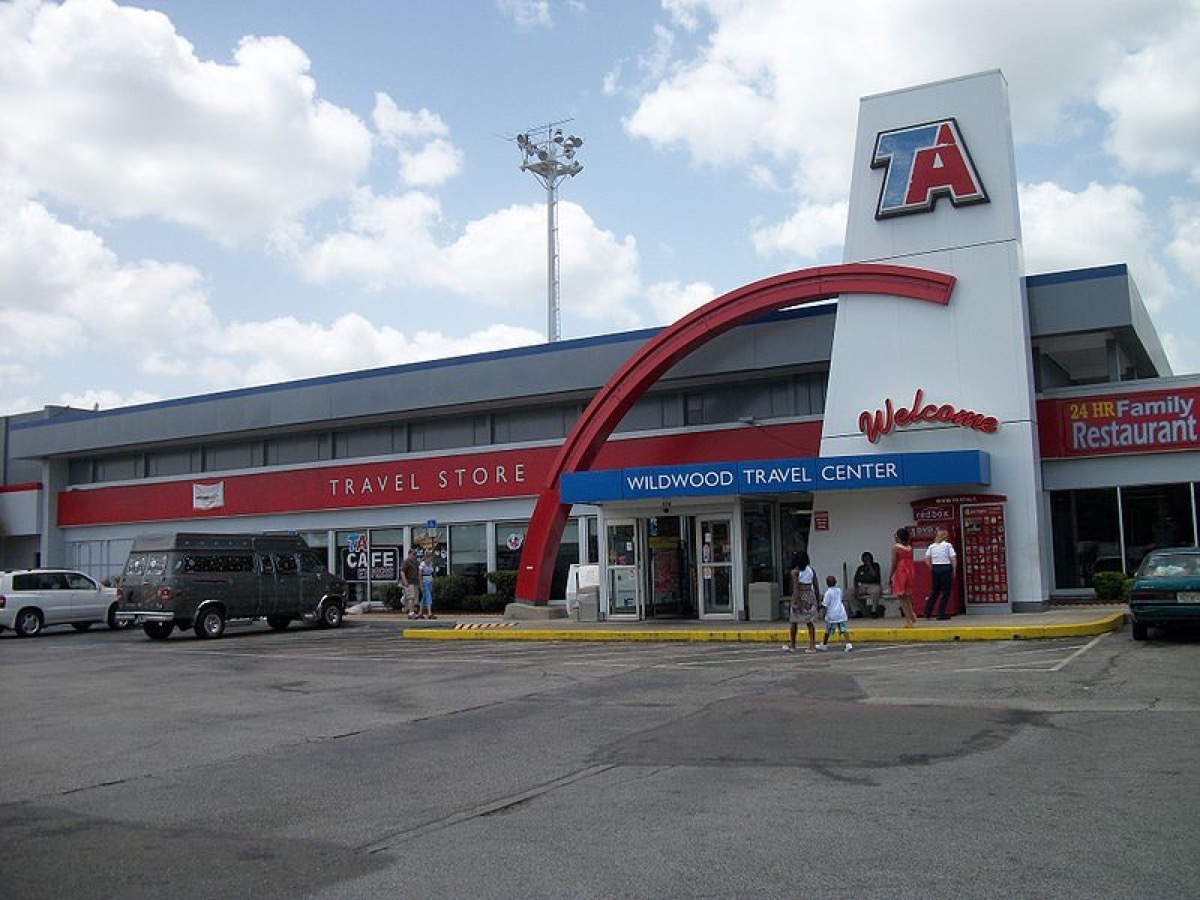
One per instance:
(1165, 590)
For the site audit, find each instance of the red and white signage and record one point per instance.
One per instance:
(1108, 424)
(882, 421)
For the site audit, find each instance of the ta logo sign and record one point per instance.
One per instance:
(922, 163)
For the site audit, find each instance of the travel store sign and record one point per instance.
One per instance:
(781, 476)
(1108, 424)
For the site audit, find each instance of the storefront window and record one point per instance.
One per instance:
(431, 543)
(1155, 516)
(510, 538)
(468, 555)
(794, 522)
(568, 554)
(760, 542)
(1087, 536)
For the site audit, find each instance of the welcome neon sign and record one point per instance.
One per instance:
(883, 421)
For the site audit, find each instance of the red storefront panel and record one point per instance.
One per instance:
(444, 479)
(1107, 424)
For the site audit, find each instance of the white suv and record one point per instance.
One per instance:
(31, 599)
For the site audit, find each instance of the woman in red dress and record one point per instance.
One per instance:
(902, 576)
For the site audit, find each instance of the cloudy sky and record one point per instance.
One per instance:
(206, 194)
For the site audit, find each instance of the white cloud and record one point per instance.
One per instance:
(804, 235)
(499, 260)
(1184, 247)
(1100, 225)
(527, 13)
(671, 300)
(427, 159)
(1155, 104)
(230, 149)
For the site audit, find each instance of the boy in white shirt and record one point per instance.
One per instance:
(835, 614)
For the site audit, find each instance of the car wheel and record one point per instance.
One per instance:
(158, 631)
(1140, 631)
(111, 620)
(279, 623)
(28, 623)
(331, 616)
(210, 623)
(81, 626)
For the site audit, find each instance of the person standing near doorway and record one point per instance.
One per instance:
(804, 601)
(902, 575)
(410, 576)
(943, 563)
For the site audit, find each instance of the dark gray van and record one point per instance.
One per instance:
(202, 581)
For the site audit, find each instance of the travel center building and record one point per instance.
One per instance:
(924, 382)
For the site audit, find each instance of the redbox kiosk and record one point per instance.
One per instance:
(975, 526)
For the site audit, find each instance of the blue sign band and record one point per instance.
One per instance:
(779, 476)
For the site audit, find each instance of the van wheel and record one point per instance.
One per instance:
(158, 631)
(28, 623)
(331, 616)
(81, 626)
(1140, 631)
(279, 623)
(210, 623)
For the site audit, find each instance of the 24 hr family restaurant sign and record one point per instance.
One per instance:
(1108, 424)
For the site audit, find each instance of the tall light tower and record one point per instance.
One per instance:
(550, 157)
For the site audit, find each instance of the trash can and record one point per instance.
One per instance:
(588, 603)
(764, 601)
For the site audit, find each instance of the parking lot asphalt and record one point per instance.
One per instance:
(1056, 622)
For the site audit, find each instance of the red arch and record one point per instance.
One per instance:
(669, 346)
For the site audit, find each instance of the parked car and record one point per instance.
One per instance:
(1165, 590)
(201, 581)
(33, 599)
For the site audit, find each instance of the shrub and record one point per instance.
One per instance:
(450, 592)
(392, 596)
(506, 587)
(1111, 586)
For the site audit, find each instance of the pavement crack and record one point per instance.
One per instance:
(495, 807)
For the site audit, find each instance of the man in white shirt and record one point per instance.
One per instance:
(943, 563)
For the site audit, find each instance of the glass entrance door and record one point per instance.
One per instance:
(624, 598)
(715, 538)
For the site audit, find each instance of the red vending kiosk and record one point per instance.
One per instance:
(975, 525)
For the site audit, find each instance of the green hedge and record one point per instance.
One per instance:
(1111, 586)
(506, 586)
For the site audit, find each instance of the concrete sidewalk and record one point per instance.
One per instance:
(1057, 622)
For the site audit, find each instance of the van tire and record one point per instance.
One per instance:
(158, 631)
(1140, 631)
(28, 623)
(210, 624)
(331, 615)
(279, 623)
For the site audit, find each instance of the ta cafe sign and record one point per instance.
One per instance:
(361, 562)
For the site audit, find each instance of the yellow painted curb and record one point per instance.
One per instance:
(1108, 623)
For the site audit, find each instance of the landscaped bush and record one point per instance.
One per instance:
(506, 587)
(1111, 586)
(450, 592)
(392, 596)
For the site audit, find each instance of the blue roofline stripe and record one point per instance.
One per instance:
(1115, 271)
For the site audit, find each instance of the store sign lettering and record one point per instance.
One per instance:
(884, 421)
(1135, 423)
(922, 163)
(402, 482)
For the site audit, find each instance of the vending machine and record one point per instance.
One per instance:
(974, 524)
